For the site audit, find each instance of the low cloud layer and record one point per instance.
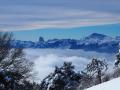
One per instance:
(46, 59)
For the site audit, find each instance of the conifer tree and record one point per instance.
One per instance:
(14, 67)
(96, 67)
(63, 78)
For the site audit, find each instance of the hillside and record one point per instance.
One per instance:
(110, 85)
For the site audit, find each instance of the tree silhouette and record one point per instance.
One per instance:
(117, 62)
(63, 78)
(97, 67)
(13, 64)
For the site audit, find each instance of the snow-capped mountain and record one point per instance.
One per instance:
(97, 38)
(93, 42)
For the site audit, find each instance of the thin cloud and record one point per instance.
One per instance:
(20, 15)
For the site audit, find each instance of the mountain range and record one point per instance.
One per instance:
(94, 42)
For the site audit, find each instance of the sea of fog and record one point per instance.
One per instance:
(46, 59)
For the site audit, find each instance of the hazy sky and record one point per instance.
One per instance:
(61, 14)
(37, 14)
(73, 33)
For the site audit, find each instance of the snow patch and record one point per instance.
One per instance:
(110, 85)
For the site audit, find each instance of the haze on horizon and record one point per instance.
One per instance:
(59, 18)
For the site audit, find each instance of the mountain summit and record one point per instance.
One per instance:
(97, 36)
(94, 35)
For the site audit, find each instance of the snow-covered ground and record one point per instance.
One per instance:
(46, 59)
(110, 85)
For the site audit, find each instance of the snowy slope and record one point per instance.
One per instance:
(110, 85)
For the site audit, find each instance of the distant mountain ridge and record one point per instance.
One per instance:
(94, 42)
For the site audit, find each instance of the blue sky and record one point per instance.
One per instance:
(73, 33)
(59, 18)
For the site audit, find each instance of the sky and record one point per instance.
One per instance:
(32, 17)
(72, 33)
